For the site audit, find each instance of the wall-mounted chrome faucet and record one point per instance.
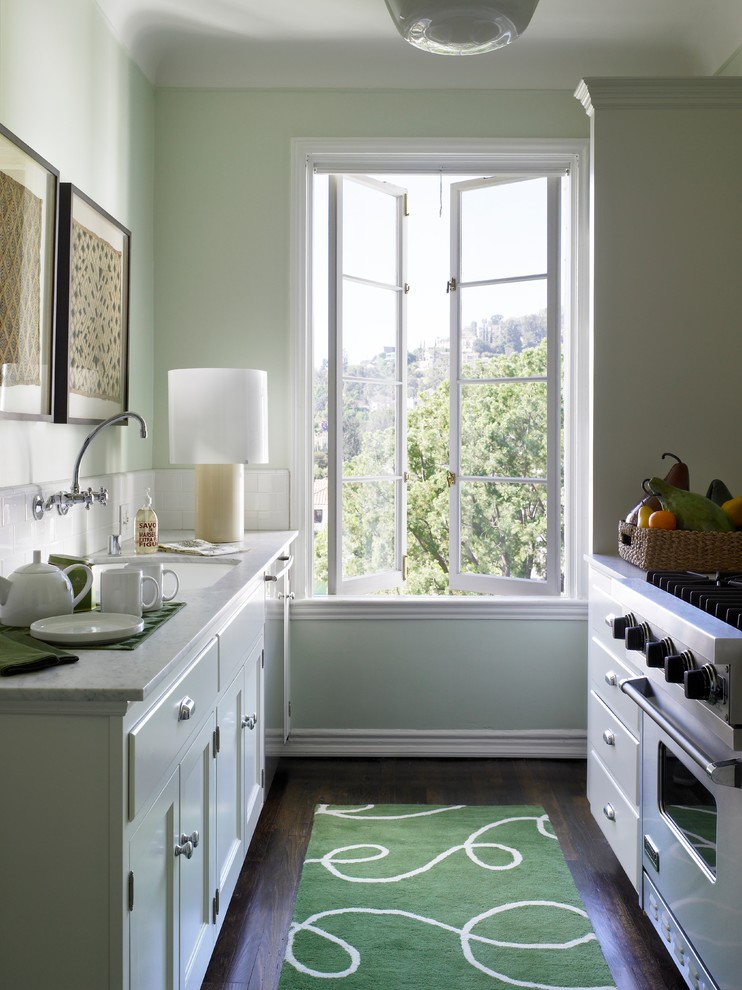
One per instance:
(63, 500)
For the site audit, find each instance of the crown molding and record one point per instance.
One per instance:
(699, 93)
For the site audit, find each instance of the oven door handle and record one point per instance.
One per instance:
(725, 772)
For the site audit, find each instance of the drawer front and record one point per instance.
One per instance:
(238, 636)
(156, 740)
(606, 674)
(617, 818)
(617, 747)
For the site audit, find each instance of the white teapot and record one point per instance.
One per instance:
(38, 590)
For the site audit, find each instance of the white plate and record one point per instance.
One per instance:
(87, 628)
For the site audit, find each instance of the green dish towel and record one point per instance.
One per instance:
(152, 621)
(21, 653)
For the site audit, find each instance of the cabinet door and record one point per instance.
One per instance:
(154, 895)
(230, 777)
(253, 734)
(196, 861)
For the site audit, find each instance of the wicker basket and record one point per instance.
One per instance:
(679, 550)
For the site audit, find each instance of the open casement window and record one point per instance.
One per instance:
(367, 363)
(505, 473)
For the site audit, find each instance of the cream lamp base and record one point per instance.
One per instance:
(220, 502)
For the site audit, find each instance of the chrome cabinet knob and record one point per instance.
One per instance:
(610, 812)
(184, 849)
(250, 721)
(186, 709)
(193, 838)
(609, 738)
(611, 678)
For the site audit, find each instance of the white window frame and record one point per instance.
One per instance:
(374, 156)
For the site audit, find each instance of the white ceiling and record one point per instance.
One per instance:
(353, 43)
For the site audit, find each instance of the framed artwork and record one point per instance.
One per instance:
(28, 224)
(91, 365)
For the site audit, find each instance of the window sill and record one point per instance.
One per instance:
(518, 609)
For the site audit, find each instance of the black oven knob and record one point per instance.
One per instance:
(700, 683)
(619, 624)
(655, 651)
(676, 665)
(636, 636)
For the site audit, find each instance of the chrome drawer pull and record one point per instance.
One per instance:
(193, 838)
(250, 721)
(186, 849)
(611, 678)
(610, 812)
(609, 738)
(291, 596)
(186, 708)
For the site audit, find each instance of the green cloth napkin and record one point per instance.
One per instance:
(20, 653)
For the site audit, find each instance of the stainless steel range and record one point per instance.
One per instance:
(682, 631)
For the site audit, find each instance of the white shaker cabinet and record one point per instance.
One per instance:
(613, 731)
(171, 860)
(131, 785)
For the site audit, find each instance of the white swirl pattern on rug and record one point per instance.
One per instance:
(467, 936)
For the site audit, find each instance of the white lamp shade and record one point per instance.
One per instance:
(218, 416)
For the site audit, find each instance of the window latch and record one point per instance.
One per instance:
(450, 478)
(451, 284)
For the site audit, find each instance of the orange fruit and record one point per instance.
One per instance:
(662, 519)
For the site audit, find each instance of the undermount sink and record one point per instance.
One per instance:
(195, 575)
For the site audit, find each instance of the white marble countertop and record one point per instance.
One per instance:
(112, 678)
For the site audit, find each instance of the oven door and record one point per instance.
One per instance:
(691, 839)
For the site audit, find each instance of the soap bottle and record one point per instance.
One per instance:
(146, 534)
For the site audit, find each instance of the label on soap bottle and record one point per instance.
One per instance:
(146, 530)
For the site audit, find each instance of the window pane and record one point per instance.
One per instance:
(503, 430)
(368, 527)
(503, 529)
(503, 230)
(369, 233)
(369, 418)
(369, 330)
(500, 319)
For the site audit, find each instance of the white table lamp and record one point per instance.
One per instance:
(218, 421)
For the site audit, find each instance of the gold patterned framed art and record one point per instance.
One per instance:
(28, 225)
(91, 365)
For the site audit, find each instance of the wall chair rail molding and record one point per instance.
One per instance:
(91, 367)
(28, 222)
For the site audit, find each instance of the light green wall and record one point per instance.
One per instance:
(223, 211)
(222, 297)
(668, 296)
(445, 674)
(69, 91)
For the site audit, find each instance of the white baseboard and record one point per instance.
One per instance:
(563, 744)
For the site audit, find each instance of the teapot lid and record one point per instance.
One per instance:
(37, 567)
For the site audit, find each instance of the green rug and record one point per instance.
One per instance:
(424, 896)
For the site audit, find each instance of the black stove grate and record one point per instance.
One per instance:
(717, 594)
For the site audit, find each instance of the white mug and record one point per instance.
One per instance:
(157, 572)
(122, 590)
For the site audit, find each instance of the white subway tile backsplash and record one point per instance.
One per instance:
(83, 531)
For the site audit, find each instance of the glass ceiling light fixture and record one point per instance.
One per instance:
(461, 27)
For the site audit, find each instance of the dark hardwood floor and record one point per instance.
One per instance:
(250, 947)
